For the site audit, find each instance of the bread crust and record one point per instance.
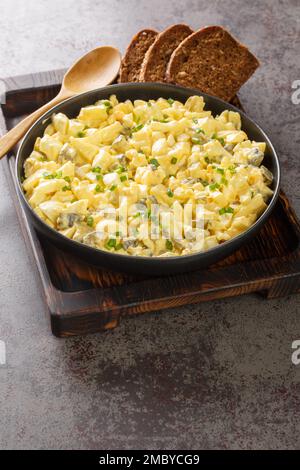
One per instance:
(213, 61)
(134, 55)
(158, 55)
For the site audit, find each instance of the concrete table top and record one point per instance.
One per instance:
(214, 375)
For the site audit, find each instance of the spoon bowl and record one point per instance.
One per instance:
(96, 69)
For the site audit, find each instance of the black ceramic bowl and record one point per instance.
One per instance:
(139, 264)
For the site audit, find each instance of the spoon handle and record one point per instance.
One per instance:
(12, 137)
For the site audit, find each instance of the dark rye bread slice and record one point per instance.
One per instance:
(158, 55)
(134, 55)
(213, 61)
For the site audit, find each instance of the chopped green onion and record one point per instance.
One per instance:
(207, 159)
(224, 181)
(123, 178)
(196, 140)
(113, 187)
(107, 104)
(99, 177)
(163, 121)
(80, 134)
(195, 120)
(121, 169)
(137, 128)
(170, 192)
(174, 160)
(214, 186)
(170, 101)
(67, 179)
(226, 210)
(204, 182)
(90, 221)
(169, 245)
(96, 169)
(112, 242)
(98, 188)
(154, 162)
(66, 188)
(119, 246)
(221, 171)
(51, 176)
(198, 131)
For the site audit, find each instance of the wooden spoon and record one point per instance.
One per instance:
(96, 69)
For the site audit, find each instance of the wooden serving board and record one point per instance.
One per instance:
(83, 299)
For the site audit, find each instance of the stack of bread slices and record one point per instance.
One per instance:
(210, 59)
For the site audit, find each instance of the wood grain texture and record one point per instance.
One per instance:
(83, 299)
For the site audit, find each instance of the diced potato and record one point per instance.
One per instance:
(68, 169)
(213, 149)
(93, 116)
(52, 209)
(86, 150)
(50, 147)
(60, 123)
(103, 159)
(77, 207)
(149, 176)
(160, 147)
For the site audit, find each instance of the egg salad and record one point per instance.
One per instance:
(121, 175)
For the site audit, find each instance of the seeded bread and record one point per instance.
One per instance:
(158, 55)
(213, 61)
(134, 55)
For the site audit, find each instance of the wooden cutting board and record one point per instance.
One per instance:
(83, 299)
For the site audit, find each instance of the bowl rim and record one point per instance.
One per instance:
(154, 85)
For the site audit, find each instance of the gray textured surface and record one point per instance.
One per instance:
(216, 375)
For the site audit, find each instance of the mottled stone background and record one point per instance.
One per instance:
(216, 375)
